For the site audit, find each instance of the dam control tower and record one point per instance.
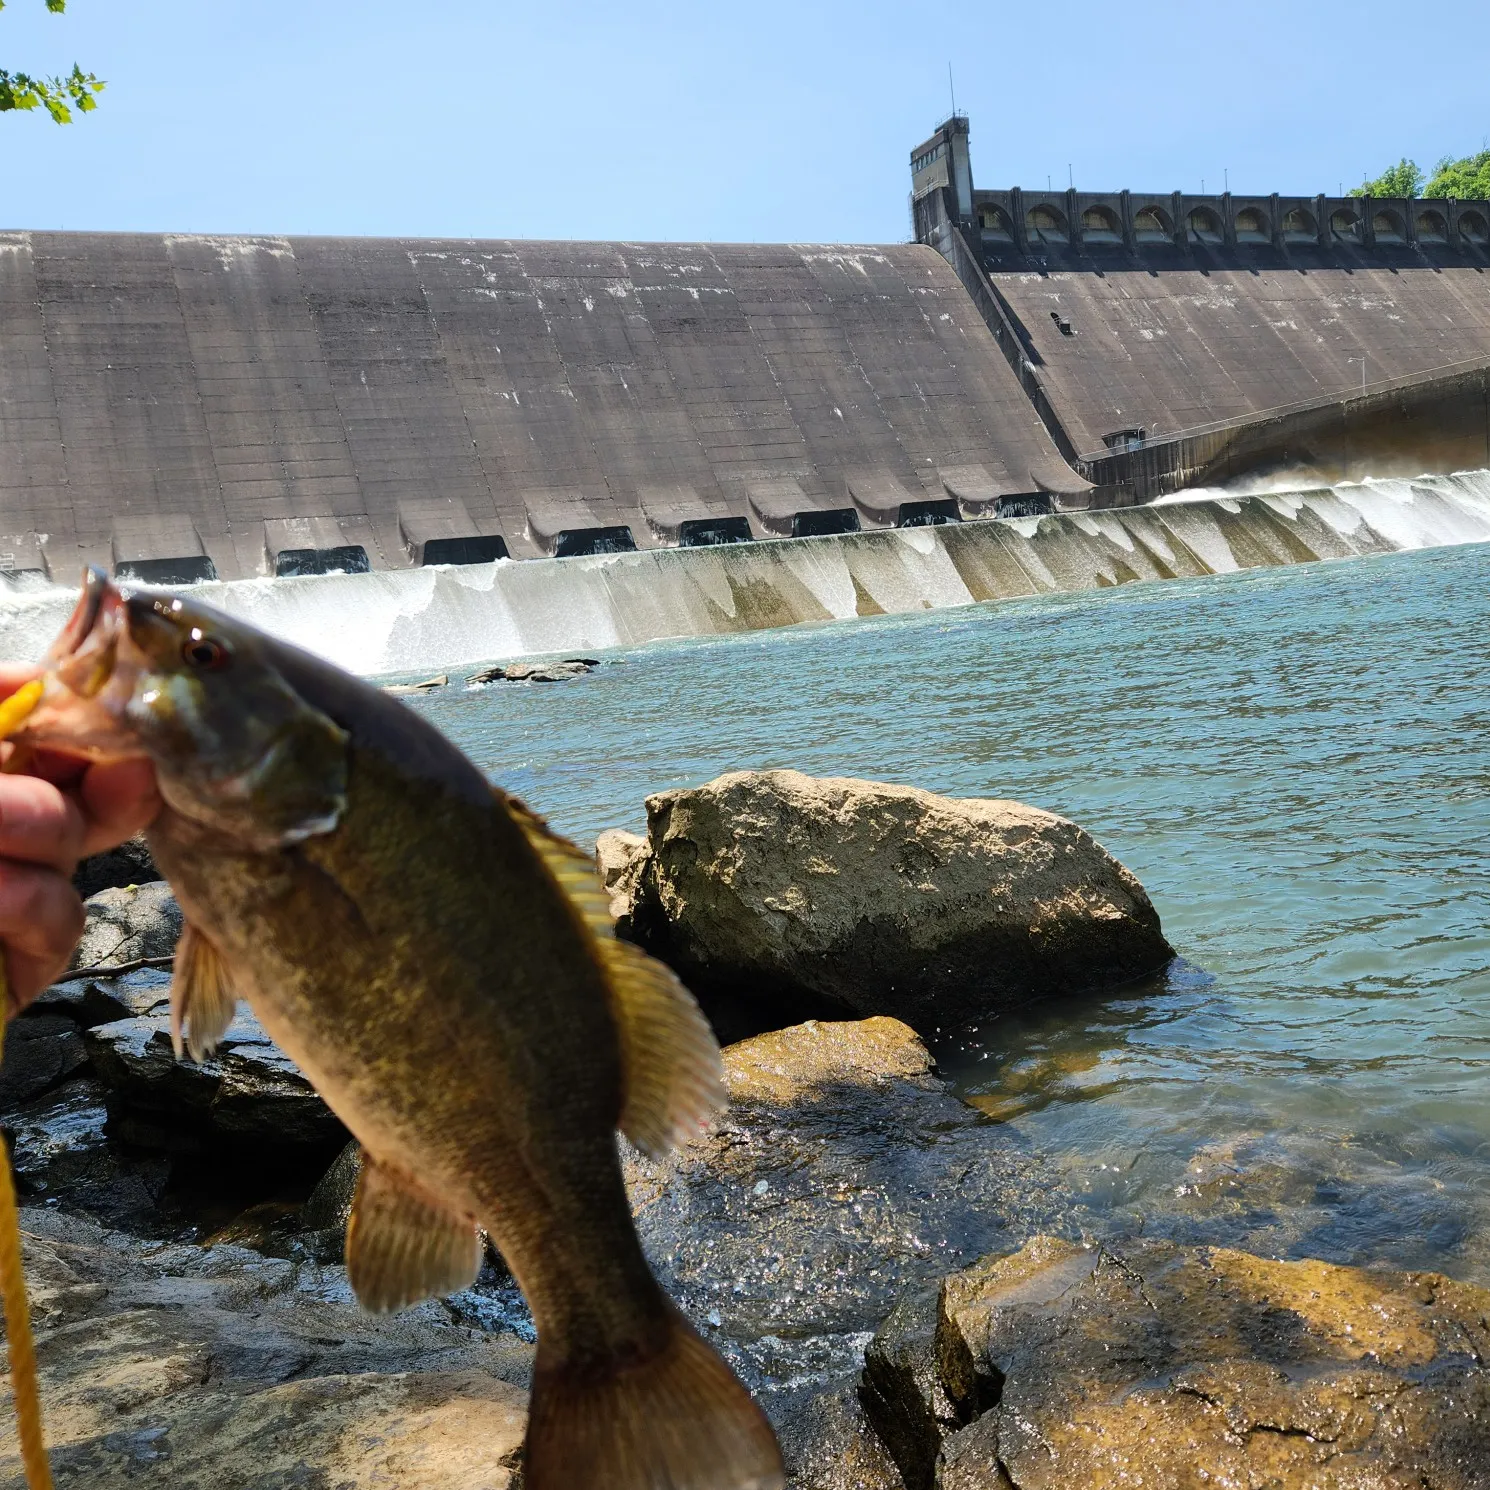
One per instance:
(1168, 339)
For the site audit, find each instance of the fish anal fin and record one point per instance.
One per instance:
(673, 1074)
(403, 1245)
(678, 1417)
(202, 998)
(569, 864)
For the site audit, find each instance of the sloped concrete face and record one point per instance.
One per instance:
(259, 405)
(1166, 335)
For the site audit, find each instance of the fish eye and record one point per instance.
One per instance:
(204, 651)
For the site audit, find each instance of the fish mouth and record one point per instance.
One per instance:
(88, 675)
(84, 656)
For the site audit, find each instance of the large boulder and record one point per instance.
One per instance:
(798, 895)
(1144, 1362)
(126, 924)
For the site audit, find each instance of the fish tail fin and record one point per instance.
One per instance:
(676, 1419)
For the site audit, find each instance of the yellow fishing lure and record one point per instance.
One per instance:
(13, 712)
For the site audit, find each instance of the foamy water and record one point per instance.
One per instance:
(432, 618)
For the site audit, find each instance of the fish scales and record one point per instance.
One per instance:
(440, 967)
(371, 977)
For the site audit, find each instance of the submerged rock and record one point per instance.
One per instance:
(424, 685)
(535, 672)
(796, 895)
(127, 924)
(1143, 1362)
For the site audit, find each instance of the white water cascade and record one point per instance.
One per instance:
(445, 617)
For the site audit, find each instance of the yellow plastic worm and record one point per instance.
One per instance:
(22, 1348)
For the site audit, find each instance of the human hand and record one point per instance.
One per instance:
(59, 812)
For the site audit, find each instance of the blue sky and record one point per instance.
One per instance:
(776, 120)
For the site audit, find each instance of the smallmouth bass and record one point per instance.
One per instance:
(441, 966)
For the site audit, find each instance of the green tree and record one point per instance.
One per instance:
(1400, 180)
(19, 90)
(1467, 179)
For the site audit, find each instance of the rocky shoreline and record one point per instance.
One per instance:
(915, 1295)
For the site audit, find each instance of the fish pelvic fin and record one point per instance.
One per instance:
(677, 1419)
(670, 1062)
(569, 864)
(403, 1245)
(203, 1000)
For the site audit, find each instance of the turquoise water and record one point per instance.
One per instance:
(1295, 763)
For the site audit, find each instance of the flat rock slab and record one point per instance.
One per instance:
(250, 1090)
(217, 1369)
(1146, 1363)
(838, 897)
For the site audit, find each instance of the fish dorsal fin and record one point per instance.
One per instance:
(202, 998)
(673, 1072)
(669, 1057)
(403, 1245)
(569, 864)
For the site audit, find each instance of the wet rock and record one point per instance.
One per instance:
(127, 924)
(843, 1175)
(858, 897)
(535, 672)
(323, 1219)
(129, 864)
(62, 1156)
(1147, 1362)
(620, 858)
(250, 1092)
(425, 685)
(102, 1000)
(216, 1369)
(902, 1392)
(41, 1051)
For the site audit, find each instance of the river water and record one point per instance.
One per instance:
(1295, 762)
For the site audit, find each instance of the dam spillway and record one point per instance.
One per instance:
(180, 407)
(449, 616)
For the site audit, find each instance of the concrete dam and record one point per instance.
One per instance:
(411, 453)
(187, 408)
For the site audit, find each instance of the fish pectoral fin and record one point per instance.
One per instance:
(203, 1001)
(670, 1063)
(403, 1245)
(569, 864)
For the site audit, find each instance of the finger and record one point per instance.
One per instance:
(13, 674)
(40, 824)
(41, 919)
(119, 799)
(52, 765)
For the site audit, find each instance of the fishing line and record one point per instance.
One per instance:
(20, 1345)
